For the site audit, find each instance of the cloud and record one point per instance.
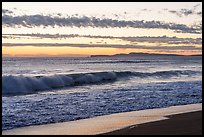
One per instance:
(38, 35)
(159, 39)
(146, 10)
(71, 21)
(5, 11)
(183, 12)
(199, 13)
(159, 47)
(186, 12)
(197, 5)
(165, 39)
(175, 12)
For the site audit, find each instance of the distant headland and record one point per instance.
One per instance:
(134, 54)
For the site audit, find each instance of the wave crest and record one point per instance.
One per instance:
(17, 85)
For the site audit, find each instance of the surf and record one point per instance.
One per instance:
(18, 85)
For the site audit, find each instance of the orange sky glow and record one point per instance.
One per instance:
(167, 28)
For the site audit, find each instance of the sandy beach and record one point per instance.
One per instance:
(180, 124)
(184, 119)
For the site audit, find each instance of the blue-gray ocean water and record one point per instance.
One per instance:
(56, 89)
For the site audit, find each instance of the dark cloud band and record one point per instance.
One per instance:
(45, 20)
(159, 39)
(104, 46)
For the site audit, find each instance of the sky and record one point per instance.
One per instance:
(100, 28)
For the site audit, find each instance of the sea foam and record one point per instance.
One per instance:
(17, 85)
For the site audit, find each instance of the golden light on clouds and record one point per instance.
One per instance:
(98, 26)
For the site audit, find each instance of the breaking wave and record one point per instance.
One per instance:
(18, 85)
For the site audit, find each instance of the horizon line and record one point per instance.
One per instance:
(83, 55)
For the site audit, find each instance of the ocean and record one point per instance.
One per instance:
(46, 90)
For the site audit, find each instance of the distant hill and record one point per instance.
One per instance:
(133, 54)
(196, 55)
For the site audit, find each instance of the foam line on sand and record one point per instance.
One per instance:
(106, 123)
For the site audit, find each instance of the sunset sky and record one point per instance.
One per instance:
(105, 28)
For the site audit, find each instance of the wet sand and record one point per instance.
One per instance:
(180, 124)
(189, 120)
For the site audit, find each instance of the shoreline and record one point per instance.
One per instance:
(107, 123)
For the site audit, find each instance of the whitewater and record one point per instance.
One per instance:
(57, 89)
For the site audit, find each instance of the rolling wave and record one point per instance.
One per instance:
(18, 85)
(120, 61)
